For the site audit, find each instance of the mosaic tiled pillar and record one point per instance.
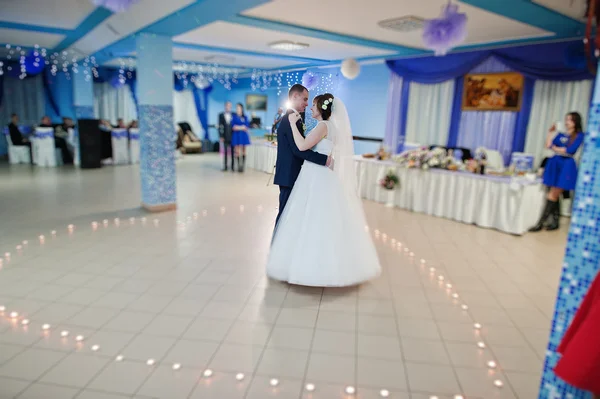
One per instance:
(157, 132)
(83, 98)
(582, 258)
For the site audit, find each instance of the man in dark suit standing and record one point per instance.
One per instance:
(16, 137)
(225, 133)
(289, 157)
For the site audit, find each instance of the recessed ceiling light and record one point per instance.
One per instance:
(408, 23)
(287, 45)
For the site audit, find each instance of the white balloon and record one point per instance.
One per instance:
(350, 68)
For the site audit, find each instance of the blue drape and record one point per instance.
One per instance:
(403, 114)
(58, 93)
(201, 101)
(1, 88)
(550, 61)
(522, 121)
(540, 61)
(456, 111)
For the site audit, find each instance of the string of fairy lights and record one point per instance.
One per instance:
(19, 320)
(22, 62)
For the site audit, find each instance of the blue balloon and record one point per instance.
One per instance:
(34, 64)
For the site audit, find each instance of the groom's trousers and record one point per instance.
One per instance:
(284, 195)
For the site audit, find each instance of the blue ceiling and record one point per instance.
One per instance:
(203, 12)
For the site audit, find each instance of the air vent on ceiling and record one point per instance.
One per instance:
(403, 24)
(219, 59)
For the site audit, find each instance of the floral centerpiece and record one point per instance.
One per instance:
(423, 158)
(390, 181)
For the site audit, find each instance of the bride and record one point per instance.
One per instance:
(321, 238)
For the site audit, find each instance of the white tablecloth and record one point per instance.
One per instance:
(509, 205)
(261, 155)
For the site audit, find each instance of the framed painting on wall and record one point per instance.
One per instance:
(256, 102)
(493, 92)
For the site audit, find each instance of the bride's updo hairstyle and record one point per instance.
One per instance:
(324, 105)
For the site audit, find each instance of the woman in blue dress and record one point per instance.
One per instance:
(560, 174)
(240, 138)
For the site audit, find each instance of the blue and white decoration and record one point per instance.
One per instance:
(582, 258)
(157, 162)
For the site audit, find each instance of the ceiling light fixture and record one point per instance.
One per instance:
(287, 45)
(403, 24)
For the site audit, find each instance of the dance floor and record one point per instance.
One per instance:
(176, 305)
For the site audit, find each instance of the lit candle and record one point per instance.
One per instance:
(208, 373)
(19, 247)
(498, 383)
(150, 362)
(46, 327)
(384, 393)
(64, 334)
(25, 242)
(491, 364)
(465, 307)
(274, 382)
(53, 232)
(240, 376)
(95, 348)
(477, 326)
(2, 308)
(79, 338)
(310, 387)
(455, 295)
(119, 358)
(423, 261)
(14, 315)
(481, 344)
(176, 366)
(350, 390)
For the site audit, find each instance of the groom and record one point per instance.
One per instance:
(289, 157)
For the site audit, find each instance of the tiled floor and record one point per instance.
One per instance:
(189, 289)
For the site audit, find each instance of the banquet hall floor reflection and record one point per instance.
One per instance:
(176, 305)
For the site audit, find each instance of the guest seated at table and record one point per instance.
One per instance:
(46, 121)
(16, 137)
(120, 124)
(560, 173)
(133, 125)
(61, 134)
(187, 140)
(106, 139)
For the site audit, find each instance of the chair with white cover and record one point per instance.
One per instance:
(73, 141)
(43, 148)
(134, 145)
(120, 146)
(494, 160)
(16, 153)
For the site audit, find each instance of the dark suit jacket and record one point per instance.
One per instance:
(15, 134)
(225, 129)
(289, 157)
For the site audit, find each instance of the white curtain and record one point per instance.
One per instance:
(184, 110)
(393, 119)
(551, 102)
(429, 112)
(111, 103)
(24, 97)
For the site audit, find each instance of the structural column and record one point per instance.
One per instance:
(582, 257)
(157, 132)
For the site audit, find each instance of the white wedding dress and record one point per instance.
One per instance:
(321, 238)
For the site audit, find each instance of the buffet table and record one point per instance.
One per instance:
(261, 155)
(511, 205)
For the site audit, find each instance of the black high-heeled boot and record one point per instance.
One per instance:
(540, 224)
(554, 223)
